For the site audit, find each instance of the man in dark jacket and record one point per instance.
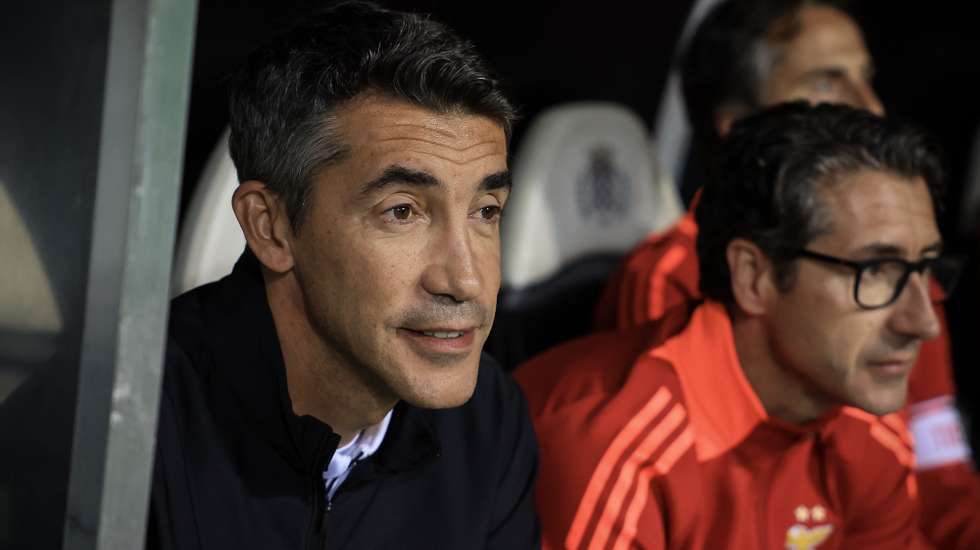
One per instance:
(331, 391)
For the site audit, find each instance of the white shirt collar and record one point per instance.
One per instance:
(365, 443)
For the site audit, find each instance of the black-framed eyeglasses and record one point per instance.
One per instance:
(879, 282)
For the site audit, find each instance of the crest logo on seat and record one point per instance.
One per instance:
(603, 190)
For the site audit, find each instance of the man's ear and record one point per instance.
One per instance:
(263, 218)
(752, 275)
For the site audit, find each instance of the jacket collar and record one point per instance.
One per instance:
(688, 225)
(411, 442)
(248, 350)
(722, 405)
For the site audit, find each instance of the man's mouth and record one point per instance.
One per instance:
(440, 341)
(443, 334)
(893, 366)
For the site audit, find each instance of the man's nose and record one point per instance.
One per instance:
(915, 314)
(453, 270)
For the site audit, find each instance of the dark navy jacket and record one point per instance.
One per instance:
(235, 468)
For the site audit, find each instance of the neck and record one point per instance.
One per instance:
(784, 393)
(321, 382)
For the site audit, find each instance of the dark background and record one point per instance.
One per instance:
(550, 52)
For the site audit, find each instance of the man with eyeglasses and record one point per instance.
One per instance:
(766, 422)
(746, 55)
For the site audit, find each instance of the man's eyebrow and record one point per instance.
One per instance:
(885, 250)
(498, 180)
(825, 72)
(880, 250)
(402, 175)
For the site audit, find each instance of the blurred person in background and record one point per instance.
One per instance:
(745, 55)
(331, 391)
(767, 420)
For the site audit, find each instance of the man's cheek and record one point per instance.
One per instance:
(488, 258)
(854, 343)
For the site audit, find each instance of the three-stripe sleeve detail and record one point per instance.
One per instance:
(648, 445)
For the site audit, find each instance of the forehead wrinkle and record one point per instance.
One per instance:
(445, 132)
(371, 120)
(463, 162)
(450, 129)
(455, 155)
(460, 162)
(438, 143)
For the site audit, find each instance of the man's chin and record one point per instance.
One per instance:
(880, 405)
(440, 402)
(443, 390)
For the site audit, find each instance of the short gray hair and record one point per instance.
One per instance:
(285, 99)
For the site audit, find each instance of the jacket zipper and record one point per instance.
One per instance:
(316, 519)
(324, 504)
(321, 507)
(325, 526)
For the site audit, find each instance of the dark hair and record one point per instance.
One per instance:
(723, 63)
(284, 100)
(773, 165)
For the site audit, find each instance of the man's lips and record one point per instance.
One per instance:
(895, 366)
(440, 339)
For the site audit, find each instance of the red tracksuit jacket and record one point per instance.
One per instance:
(669, 447)
(662, 272)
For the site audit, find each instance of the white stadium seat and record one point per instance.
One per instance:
(586, 189)
(31, 320)
(211, 239)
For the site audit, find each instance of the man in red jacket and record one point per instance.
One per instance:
(746, 55)
(766, 421)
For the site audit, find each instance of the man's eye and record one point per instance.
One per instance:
(402, 212)
(888, 270)
(490, 212)
(874, 268)
(825, 85)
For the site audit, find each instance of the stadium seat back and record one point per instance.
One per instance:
(31, 320)
(210, 239)
(586, 190)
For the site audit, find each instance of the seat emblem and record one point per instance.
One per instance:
(603, 189)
